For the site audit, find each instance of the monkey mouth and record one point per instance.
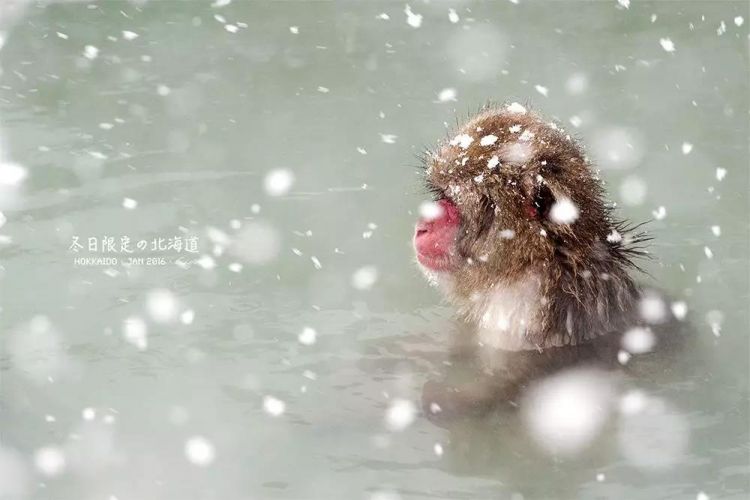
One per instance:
(437, 264)
(435, 238)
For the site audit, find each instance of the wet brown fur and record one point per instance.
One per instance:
(585, 285)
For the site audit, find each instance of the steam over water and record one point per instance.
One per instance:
(207, 288)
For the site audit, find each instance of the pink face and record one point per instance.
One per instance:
(435, 239)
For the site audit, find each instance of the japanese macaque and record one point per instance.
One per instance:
(519, 238)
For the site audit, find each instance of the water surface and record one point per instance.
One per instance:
(161, 121)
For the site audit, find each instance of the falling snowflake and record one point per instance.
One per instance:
(632, 402)
(412, 19)
(577, 84)
(578, 399)
(660, 213)
(364, 277)
(447, 94)
(278, 182)
(90, 52)
(206, 262)
(638, 340)
(633, 191)
(12, 174)
(430, 210)
(623, 357)
(564, 211)
(400, 414)
(187, 317)
(652, 308)
(618, 147)
(679, 310)
(273, 406)
(614, 236)
(135, 332)
(161, 305)
(50, 461)
(667, 44)
(715, 318)
(308, 336)
(200, 451)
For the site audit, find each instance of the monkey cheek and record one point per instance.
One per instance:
(436, 255)
(436, 264)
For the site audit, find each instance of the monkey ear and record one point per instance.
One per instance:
(539, 199)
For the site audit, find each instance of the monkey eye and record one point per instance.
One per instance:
(542, 201)
(487, 217)
(550, 166)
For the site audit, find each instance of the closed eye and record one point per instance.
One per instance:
(487, 217)
(550, 166)
(542, 201)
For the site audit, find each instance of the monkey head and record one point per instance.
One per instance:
(514, 199)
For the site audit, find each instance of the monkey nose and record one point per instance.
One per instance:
(423, 227)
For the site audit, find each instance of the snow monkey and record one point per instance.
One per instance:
(519, 238)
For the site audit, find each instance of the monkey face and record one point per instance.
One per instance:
(435, 237)
(519, 237)
(513, 192)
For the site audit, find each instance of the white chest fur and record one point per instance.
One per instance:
(502, 315)
(505, 313)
